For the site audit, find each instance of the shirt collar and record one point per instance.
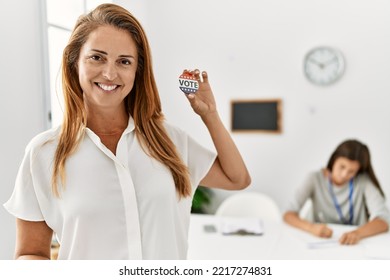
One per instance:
(96, 140)
(130, 126)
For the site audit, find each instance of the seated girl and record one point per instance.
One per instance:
(345, 192)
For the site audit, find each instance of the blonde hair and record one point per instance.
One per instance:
(142, 103)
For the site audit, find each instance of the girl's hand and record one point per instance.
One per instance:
(321, 230)
(350, 238)
(202, 102)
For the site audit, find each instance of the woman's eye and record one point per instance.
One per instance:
(125, 62)
(95, 57)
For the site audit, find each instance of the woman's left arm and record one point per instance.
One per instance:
(371, 228)
(229, 170)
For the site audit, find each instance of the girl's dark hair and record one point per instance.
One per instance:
(355, 150)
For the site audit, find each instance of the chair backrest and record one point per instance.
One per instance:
(306, 211)
(249, 204)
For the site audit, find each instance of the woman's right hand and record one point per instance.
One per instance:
(321, 230)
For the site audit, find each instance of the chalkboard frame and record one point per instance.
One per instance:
(276, 126)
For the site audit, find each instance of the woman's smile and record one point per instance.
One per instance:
(107, 87)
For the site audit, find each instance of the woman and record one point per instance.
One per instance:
(345, 192)
(115, 181)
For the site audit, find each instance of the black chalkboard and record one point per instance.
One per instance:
(258, 115)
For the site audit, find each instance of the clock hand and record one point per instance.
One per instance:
(330, 61)
(321, 65)
(315, 61)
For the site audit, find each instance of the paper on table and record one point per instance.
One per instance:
(323, 244)
(242, 226)
(338, 231)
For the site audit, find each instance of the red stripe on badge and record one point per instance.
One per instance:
(187, 83)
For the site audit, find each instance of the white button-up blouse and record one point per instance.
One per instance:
(122, 206)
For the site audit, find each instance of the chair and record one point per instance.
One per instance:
(249, 204)
(306, 211)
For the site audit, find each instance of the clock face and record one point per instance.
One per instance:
(323, 65)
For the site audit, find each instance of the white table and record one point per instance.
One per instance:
(279, 242)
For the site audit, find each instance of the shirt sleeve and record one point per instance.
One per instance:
(375, 203)
(200, 161)
(197, 158)
(23, 202)
(301, 194)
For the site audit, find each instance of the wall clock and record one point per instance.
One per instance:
(324, 65)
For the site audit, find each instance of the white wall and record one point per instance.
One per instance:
(21, 99)
(254, 49)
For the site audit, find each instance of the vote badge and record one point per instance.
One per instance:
(187, 83)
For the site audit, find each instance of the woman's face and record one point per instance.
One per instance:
(344, 170)
(107, 67)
